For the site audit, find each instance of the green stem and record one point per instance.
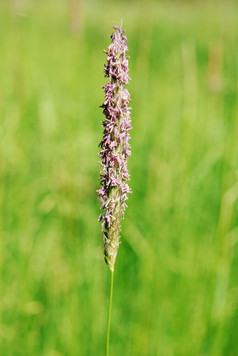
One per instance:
(109, 315)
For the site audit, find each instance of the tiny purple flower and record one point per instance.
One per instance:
(115, 146)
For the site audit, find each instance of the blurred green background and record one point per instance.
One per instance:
(175, 291)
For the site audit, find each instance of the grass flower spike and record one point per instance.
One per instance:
(114, 145)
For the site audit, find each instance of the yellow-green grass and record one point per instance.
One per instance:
(175, 290)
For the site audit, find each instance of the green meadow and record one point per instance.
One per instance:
(175, 282)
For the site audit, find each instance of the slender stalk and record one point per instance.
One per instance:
(109, 315)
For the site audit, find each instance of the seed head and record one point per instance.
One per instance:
(115, 146)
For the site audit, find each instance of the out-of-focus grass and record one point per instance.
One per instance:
(176, 274)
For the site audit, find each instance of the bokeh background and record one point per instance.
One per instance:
(175, 291)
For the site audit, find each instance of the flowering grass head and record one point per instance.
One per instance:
(115, 146)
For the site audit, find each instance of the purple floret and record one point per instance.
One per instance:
(115, 146)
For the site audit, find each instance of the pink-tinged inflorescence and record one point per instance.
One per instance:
(114, 145)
